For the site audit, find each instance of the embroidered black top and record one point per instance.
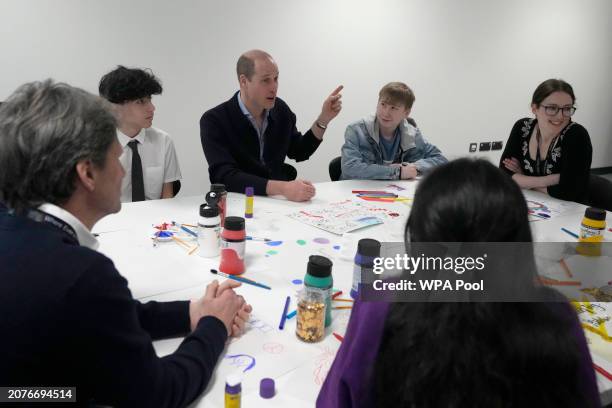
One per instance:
(569, 155)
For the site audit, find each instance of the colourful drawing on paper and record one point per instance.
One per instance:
(166, 231)
(259, 325)
(297, 281)
(536, 206)
(341, 217)
(321, 240)
(274, 243)
(163, 235)
(595, 317)
(538, 211)
(271, 252)
(540, 208)
(395, 187)
(384, 212)
(242, 361)
(273, 348)
(163, 226)
(259, 353)
(337, 247)
(301, 242)
(323, 363)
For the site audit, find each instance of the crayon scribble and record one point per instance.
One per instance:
(242, 360)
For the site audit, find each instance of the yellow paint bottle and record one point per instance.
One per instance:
(591, 232)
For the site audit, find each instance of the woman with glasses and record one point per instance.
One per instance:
(473, 353)
(550, 153)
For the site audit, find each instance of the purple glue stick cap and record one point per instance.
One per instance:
(266, 388)
(249, 191)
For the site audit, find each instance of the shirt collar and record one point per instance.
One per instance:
(124, 139)
(84, 236)
(245, 111)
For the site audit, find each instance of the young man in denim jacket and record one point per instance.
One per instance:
(388, 146)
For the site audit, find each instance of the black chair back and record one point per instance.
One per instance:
(176, 187)
(335, 168)
(600, 192)
(289, 172)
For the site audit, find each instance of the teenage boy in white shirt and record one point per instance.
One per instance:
(149, 157)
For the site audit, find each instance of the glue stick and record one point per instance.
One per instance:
(248, 211)
(233, 391)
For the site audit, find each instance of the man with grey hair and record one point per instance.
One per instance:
(66, 314)
(247, 138)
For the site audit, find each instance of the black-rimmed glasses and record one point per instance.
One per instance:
(552, 110)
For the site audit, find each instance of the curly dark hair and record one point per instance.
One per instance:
(129, 84)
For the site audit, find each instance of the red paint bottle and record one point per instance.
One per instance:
(233, 243)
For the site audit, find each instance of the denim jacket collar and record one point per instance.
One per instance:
(407, 132)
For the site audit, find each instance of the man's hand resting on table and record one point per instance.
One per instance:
(296, 190)
(223, 303)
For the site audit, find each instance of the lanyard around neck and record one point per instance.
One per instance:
(39, 216)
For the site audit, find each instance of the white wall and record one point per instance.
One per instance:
(473, 64)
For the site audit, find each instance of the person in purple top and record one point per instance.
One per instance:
(476, 354)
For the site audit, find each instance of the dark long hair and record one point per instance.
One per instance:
(550, 86)
(475, 354)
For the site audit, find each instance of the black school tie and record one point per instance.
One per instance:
(137, 179)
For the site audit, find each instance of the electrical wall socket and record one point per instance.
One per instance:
(485, 146)
(497, 145)
(473, 147)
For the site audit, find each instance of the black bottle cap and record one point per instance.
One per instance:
(207, 211)
(368, 247)
(596, 214)
(318, 266)
(234, 223)
(212, 198)
(218, 188)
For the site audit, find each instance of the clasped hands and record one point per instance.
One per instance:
(222, 302)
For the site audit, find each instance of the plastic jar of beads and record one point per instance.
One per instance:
(311, 315)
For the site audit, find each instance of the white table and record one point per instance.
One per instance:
(167, 272)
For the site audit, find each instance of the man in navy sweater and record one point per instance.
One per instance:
(67, 317)
(247, 138)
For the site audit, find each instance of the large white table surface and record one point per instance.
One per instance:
(166, 272)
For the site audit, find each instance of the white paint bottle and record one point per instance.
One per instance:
(208, 231)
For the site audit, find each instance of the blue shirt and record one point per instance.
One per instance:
(260, 132)
(389, 147)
